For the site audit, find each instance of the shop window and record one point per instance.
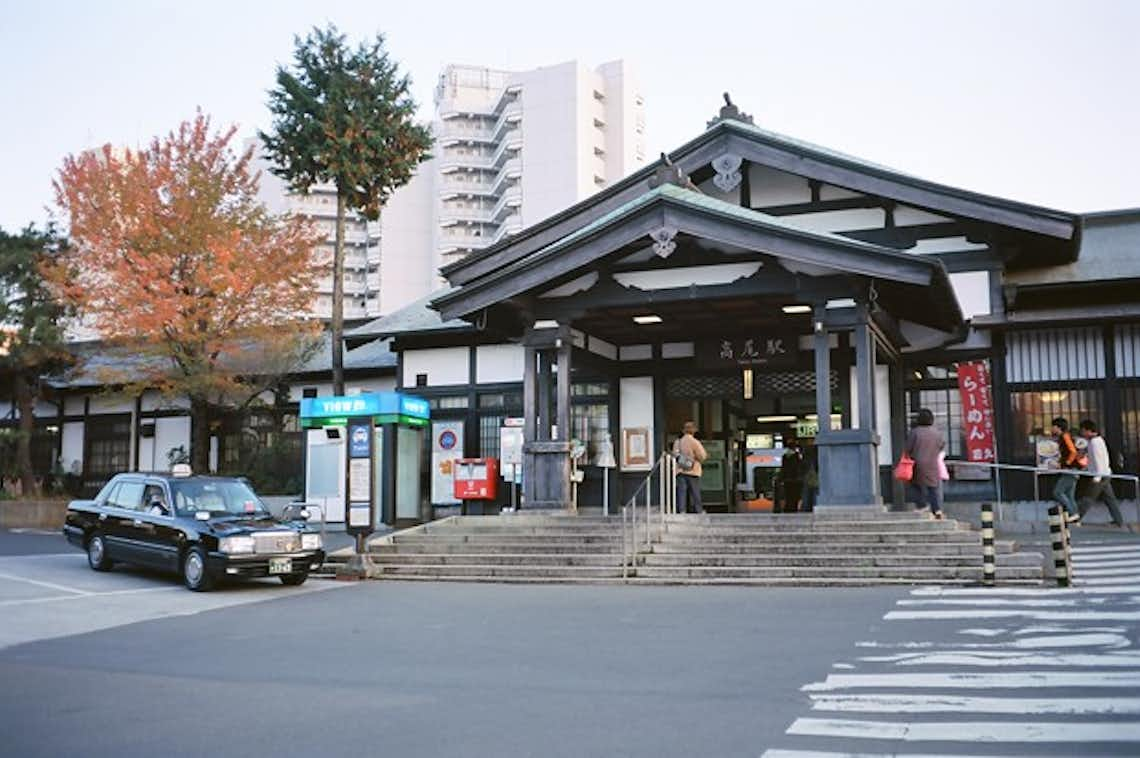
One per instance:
(501, 400)
(449, 402)
(1034, 411)
(590, 423)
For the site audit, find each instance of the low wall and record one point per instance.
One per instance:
(1032, 517)
(32, 514)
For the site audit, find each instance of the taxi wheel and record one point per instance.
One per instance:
(294, 580)
(194, 573)
(97, 553)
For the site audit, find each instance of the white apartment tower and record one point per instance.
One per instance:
(513, 148)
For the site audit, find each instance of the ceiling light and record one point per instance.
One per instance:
(546, 323)
(790, 309)
(774, 419)
(648, 319)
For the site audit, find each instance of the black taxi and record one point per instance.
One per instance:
(204, 528)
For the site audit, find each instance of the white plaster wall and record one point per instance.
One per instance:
(972, 288)
(882, 410)
(71, 444)
(168, 433)
(839, 221)
(673, 278)
(443, 366)
(379, 384)
(907, 216)
(603, 348)
(111, 404)
(635, 352)
(408, 257)
(297, 391)
(155, 401)
(769, 186)
(498, 363)
(943, 245)
(636, 410)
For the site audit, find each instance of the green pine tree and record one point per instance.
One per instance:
(344, 117)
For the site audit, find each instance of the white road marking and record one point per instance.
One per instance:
(49, 585)
(61, 598)
(970, 731)
(1130, 563)
(1059, 641)
(976, 681)
(1082, 571)
(919, 703)
(984, 632)
(993, 601)
(1081, 580)
(996, 658)
(1116, 589)
(1107, 547)
(967, 613)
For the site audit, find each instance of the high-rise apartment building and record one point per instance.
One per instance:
(511, 148)
(361, 244)
(515, 147)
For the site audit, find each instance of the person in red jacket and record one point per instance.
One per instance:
(1064, 492)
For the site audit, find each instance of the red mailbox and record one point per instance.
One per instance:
(476, 478)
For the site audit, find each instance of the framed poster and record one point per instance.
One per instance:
(635, 452)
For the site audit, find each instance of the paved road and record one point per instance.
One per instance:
(1001, 671)
(472, 670)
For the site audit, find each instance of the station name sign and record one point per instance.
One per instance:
(777, 350)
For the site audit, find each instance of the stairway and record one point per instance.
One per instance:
(852, 548)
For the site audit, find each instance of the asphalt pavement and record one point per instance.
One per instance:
(412, 669)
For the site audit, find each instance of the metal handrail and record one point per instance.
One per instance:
(630, 520)
(1038, 472)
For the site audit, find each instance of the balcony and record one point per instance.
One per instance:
(452, 216)
(511, 200)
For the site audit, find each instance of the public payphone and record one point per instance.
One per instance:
(363, 457)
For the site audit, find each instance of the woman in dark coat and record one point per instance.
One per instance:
(925, 444)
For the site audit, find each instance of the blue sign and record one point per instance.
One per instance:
(368, 404)
(358, 441)
(447, 440)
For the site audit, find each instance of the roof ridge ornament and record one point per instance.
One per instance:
(727, 168)
(729, 111)
(663, 244)
(670, 173)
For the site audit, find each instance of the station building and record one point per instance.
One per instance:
(758, 285)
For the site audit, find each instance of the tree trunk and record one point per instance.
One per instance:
(199, 435)
(26, 402)
(338, 300)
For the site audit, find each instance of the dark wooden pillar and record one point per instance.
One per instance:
(546, 461)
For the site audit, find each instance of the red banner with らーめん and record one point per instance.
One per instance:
(977, 411)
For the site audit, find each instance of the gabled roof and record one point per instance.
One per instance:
(787, 154)
(418, 317)
(702, 216)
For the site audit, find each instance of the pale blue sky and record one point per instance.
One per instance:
(1031, 100)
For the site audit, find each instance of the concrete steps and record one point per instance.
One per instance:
(848, 549)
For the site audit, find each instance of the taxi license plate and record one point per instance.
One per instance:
(280, 565)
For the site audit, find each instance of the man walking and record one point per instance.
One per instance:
(1066, 487)
(689, 453)
(1099, 465)
(791, 473)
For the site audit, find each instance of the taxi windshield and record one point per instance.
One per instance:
(215, 496)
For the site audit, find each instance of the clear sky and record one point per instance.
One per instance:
(1036, 101)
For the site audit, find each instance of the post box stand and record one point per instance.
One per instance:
(476, 480)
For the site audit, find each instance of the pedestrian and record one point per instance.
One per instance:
(811, 477)
(690, 453)
(791, 472)
(1066, 486)
(1101, 485)
(923, 445)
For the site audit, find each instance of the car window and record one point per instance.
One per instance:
(106, 495)
(127, 495)
(150, 494)
(215, 496)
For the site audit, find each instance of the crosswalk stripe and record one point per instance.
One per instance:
(780, 753)
(1117, 588)
(921, 703)
(1093, 581)
(1134, 564)
(974, 681)
(1118, 571)
(996, 658)
(966, 613)
(1062, 640)
(970, 731)
(992, 601)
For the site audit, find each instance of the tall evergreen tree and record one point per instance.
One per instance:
(31, 332)
(344, 117)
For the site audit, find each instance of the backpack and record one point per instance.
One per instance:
(684, 462)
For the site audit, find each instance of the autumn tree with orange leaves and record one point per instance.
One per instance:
(173, 257)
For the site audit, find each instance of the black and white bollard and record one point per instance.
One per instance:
(989, 557)
(1060, 554)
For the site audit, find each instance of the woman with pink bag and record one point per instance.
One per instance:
(924, 445)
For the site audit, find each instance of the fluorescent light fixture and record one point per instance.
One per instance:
(791, 309)
(546, 323)
(647, 319)
(774, 419)
(843, 302)
(748, 384)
